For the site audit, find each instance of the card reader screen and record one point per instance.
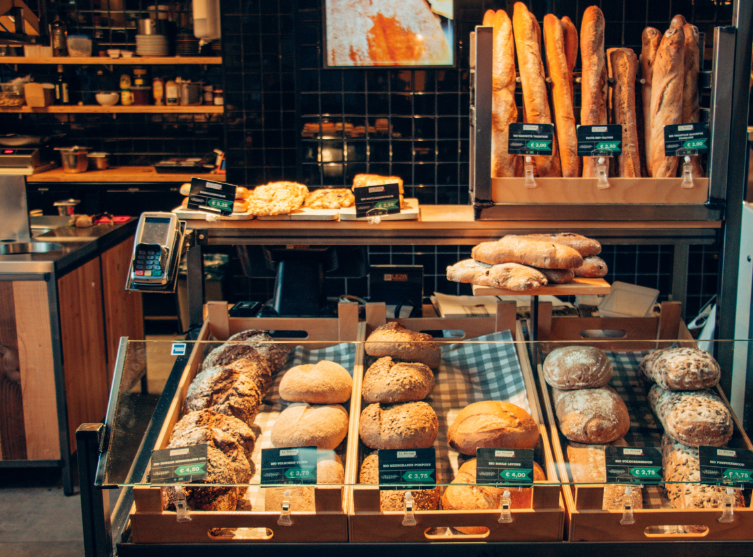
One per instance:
(155, 230)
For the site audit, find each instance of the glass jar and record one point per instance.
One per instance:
(208, 94)
(219, 97)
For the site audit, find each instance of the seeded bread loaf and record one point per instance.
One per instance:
(583, 245)
(591, 416)
(389, 382)
(224, 390)
(577, 367)
(492, 424)
(411, 425)
(251, 344)
(396, 341)
(510, 276)
(424, 499)
(324, 382)
(536, 253)
(593, 267)
(329, 470)
(305, 425)
(682, 369)
(693, 418)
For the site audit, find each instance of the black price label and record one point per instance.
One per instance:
(633, 465)
(372, 201)
(407, 469)
(599, 141)
(180, 465)
(530, 139)
(686, 139)
(724, 466)
(504, 466)
(294, 465)
(216, 198)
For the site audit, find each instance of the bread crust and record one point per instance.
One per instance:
(558, 276)
(410, 425)
(691, 111)
(519, 249)
(504, 109)
(577, 367)
(571, 50)
(651, 39)
(591, 415)
(224, 390)
(623, 67)
(492, 424)
(594, 77)
(693, 418)
(681, 369)
(583, 245)
(322, 383)
(396, 341)
(389, 382)
(510, 276)
(304, 425)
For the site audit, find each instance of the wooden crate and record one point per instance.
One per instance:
(586, 521)
(543, 522)
(150, 524)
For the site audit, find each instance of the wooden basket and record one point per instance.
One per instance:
(543, 522)
(586, 521)
(150, 524)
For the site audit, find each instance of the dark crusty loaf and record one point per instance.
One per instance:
(583, 245)
(536, 253)
(396, 341)
(306, 425)
(329, 470)
(251, 344)
(390, 382)
(492, 424)
(411, 425)
(206, 421)
(244, 358)
(324, 382)
(510, 276)
(224, 390)
(424, 499)
(577, 367)
(591, 416)
(681, 369)
(593, 267)
(693, 418)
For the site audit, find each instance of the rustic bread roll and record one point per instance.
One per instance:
(504, 109)
(681, 369)
(623, 68)
(424, 499)
(593, 77)
(329, 470)
(185, 189)
(577, 367)
(492, 424)
(691, 111)
(389, 382)
(557, 276)
(224, 390)
(584, 246)
(411, 425)
(592, 416)
(204, 421)
(571, 48)
(304, 425)
(536, 253)
(593, 267)
(693, 418)
(241, 192)
(651, 40)
(510, 276)
(396, 341)
(324, 382)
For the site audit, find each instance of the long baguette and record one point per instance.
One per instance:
(571, 48)
(666, 99)
(488, 18)
(678, 22)
(535, 101)
(690, 108)
(594, 77)
(504, 110)
(623, 66)
(564, 117)
(651, 40)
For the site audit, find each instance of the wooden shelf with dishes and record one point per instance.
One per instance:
(133, 61)
(134, 109)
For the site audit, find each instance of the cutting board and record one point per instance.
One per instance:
(409, 213)
(190, 214)
(577, 287)
(305, 213)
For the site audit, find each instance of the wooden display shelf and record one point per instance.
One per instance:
(118, 109)
(117, 175)
(578, 287)
(106, 60)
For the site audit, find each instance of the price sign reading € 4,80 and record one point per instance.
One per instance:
(294, 465)
(504, 466)
(179, 465)
(633, 465)
(403, 469)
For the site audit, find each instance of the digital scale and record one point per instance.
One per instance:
(156, 253)
(23, 161)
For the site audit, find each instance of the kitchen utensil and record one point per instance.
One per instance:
(190, 93)
(113, 52)
(108, 99)
(79, 45)
(39, 95)
(75, 159)
(101, 160)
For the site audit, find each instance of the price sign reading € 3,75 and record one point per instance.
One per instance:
(726, 466)
(404, 469)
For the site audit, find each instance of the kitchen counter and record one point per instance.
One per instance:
(117, 175)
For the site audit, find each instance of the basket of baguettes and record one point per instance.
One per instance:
(242, 391)
(419, 393)
(643, 93)
(609, 381)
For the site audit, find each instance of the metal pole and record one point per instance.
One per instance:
(95, 503)
(195, 281)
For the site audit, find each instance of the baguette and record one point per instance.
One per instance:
(517, 249)
(623, 67)
(488, 18)
(690, 108)
(594, 77)
(533, 80)
(564, 117)
(504, 109)
(511, 276)
(678, 22)
(651, 41)
(682, 369)
(581, 244)
(571, 50)
(666, 100)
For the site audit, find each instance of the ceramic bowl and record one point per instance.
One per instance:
(108, 99)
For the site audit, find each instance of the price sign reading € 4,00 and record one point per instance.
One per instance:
(403, 469)
(179, 465)
(504, 466)
(633, 465)
(293, 465)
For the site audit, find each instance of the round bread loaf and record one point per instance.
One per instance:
(303, 425)
(411, 425)
(224, 390)
(199, 423)
(329, 470)
(389, 382)
(591, 416)
(492, 424)
(396, 341)
(324, 382)
(424, 499)
(577, 367)
(682, 369)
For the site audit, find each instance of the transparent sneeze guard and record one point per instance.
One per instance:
(229, 395)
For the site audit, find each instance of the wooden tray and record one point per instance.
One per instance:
(576, 287)
(543, 522)
(586, 521)
(150, 524)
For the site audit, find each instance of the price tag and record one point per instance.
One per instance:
(372, 201)
(407, 469)
(633, 465)
(294, 465)
(599, 141)
(530, 139)
(686, 139)
(216, 198)
(504, 466)
(180, 465)
(723, 466)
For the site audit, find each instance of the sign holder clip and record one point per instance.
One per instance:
(728, 502)
(181, 505)
(285, 518)
(409, 518)
(530, 182)
(505, 516)
(687, 168)
(602, 170)
(627, 507)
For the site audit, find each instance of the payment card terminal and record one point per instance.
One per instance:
(154, 249)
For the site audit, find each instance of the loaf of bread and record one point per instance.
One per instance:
(584, 246)
(410, 425)
(536, 253)
(389, 382)
(533, 80)
(368, 180)
(591, 416)
(277, 198)
(324, 382)
(423, 499)
(224, 390)
(511, 276)
(504, 109)
(492, 424)
(557, 276)
(396, 341)
(666, 99)
(593, 89)
(304, 425)
(593, 267)
(691, 111)
(251, 345)
(681, 369)
(651, 40)
(623, 68)
(329, 198)
(693, 418)
(204, 422)
(564, 116)
(329, 470)
(588, 465)
(577, 367)
(678, 22)
(571, 49)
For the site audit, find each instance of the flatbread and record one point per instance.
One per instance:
(329, 198)
(277, 198)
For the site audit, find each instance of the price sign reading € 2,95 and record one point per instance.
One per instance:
(293, 465)
(504, 466)
(403, 469)
(633, 465)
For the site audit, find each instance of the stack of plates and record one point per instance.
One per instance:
(151, 45)
(186, 45)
